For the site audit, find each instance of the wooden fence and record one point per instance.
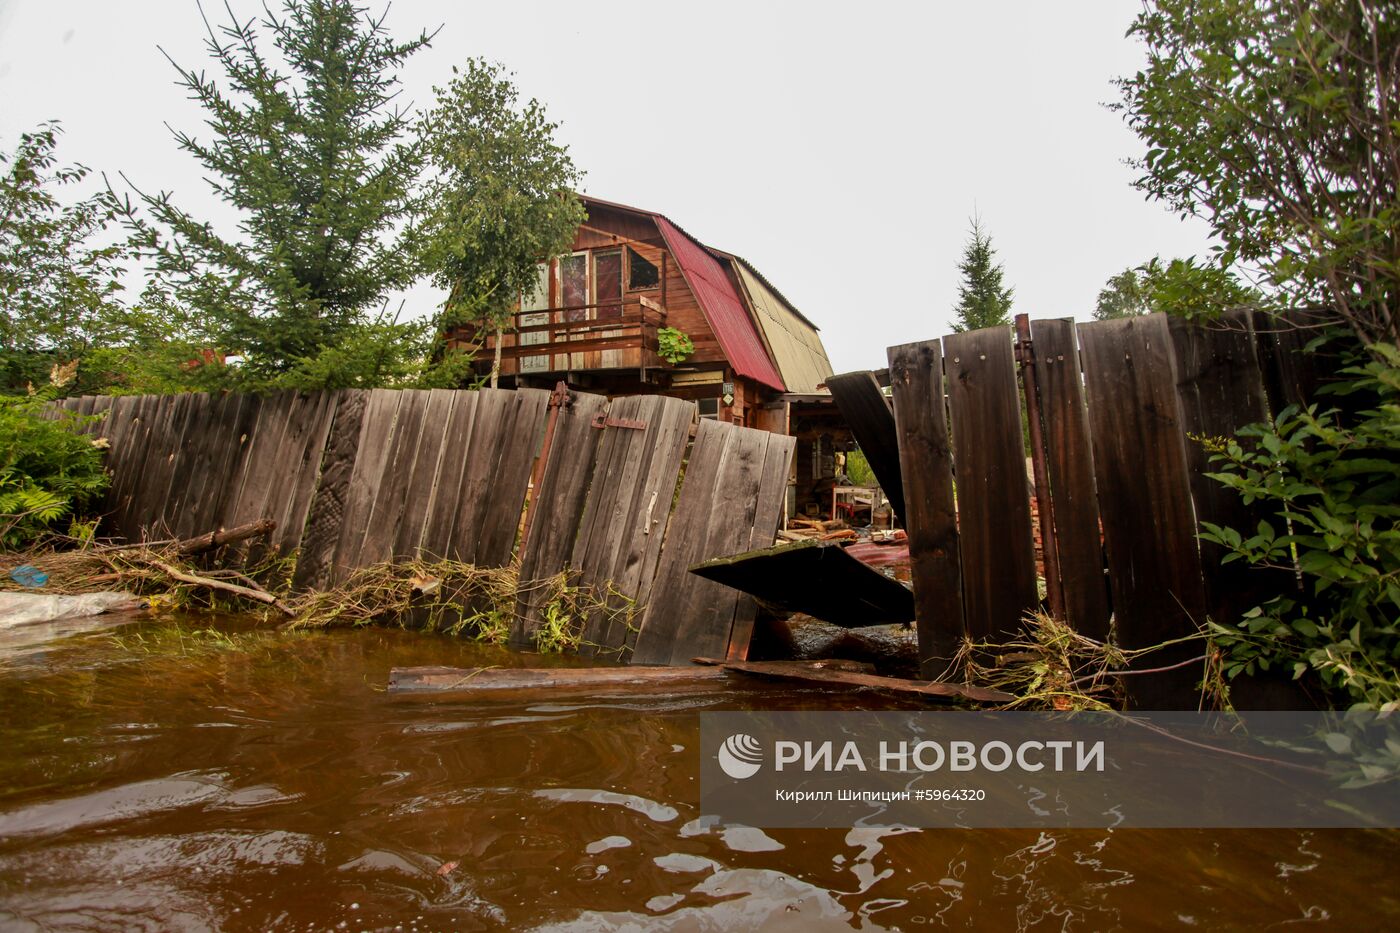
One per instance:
(357, 477)
(1119, 406)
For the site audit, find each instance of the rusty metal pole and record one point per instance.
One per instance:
(1025, 356)
(558, 399)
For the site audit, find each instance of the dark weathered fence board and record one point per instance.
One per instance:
(456, 450)
(724, 483)
(993, 492)
(1291, 373)
(767, 515)
(480, 459)
(926, 464)
(386, 509)
(1071, 468)
(556, 507)
(160, 428)
(627, 506)
(422, 478)
(1145, 498)
(1219, 384)
(321, 534)
(304, 447)
(514, 455)
(115, 429)
(871, 420)
(371, 460)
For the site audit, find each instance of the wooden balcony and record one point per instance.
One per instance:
(617, 335)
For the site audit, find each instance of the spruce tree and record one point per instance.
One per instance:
(983, 301)
(311, 147)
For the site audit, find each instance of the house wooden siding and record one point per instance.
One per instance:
(746, 360)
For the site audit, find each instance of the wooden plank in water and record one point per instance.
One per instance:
(817, 578)
(994, 507)
(316, 554)
(450, 679)
(871, 419)
(477, 679)
(926, 463)
(1144, 491)
(1071, 467)
(830, 675)
(557, 506)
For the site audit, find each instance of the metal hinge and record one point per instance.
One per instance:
(602, 421)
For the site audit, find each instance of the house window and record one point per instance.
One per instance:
(641, 274)
(709, 408)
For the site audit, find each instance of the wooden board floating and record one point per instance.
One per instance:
(704, 672)
(817, 578)
(834, 674)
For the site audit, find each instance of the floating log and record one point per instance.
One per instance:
(817, 578)
(442, 679)
(449, 679)
(826, 672)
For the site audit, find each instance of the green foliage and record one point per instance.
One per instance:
(1275, 120)
(1124, 295)
(983, 301)
(858, 470)
(319, 162)
(48, 472)
(60, 277)
(1328, 483)
(501, 198)
(674, 346)
(1181, 288)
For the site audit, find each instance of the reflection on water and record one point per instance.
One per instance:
(203, 774)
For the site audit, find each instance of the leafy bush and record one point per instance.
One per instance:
(1328, 482)
(674, 346)
(47, 470)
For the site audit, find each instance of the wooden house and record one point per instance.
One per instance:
(594, 319)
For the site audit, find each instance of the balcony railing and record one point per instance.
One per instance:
(613, 335)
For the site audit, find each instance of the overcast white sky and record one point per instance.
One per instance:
(841, 148)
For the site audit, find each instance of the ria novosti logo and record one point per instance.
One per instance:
(740, 756)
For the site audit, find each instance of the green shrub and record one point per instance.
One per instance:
(674, 346)
(48, 472)
(1328, 482)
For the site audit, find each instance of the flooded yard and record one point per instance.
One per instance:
(201, 772)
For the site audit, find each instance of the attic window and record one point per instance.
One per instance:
(641, 274)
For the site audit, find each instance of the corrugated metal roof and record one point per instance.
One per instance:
(723, 307)
(792, 339)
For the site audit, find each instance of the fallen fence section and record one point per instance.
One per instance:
(1121, 407)
(358, 477)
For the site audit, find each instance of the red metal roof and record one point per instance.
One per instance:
(736, 331)
(724, 309)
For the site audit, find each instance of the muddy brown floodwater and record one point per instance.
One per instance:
(200, 773)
